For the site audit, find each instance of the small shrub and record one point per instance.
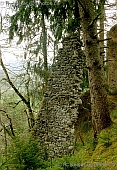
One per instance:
(90, 144)
(106, 139)
(25, 154)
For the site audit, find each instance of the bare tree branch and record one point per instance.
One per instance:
(10, 131)
(17, 103)
(98, 33)
(104, 47)
(27, 103)
(104, 39)
(95, 19)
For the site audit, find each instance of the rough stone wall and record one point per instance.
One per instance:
(112, 58)
(55, 123)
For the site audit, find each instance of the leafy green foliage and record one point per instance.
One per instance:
(27, 18)
(14, 107)
(39, 69)
(25, 154)
(106, 139)
(65, 18)
(98, 6)
(29, 25)
(22, 151)
(114, 114)
(65, 163)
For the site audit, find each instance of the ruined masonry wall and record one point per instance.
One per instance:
(112, 59)
(55, 123)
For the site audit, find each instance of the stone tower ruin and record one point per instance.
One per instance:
(55, 122)
(112, 59)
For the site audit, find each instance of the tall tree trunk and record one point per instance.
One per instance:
(100, 112)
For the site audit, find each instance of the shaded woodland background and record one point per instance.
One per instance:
(40, 29)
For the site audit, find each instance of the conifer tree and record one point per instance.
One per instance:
(100, 111)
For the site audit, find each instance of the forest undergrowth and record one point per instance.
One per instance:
(21, 152)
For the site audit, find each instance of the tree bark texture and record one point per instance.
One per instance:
(102, 2)
(100, 112)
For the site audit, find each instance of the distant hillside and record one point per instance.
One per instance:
(14, 68)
